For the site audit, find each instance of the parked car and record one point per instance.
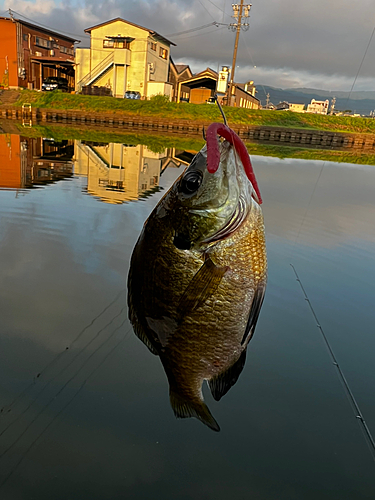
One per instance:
(55, 82)
(132, 94)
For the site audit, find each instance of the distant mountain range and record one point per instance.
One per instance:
(360, 101)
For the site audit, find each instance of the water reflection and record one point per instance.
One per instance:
(115, 172)
(29, 162)
(119, 172)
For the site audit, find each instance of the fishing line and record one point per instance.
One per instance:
(357, 412)
(60, 412)
(61, 390)
(309, 203)
(59, 373)
(348, 392)
(58, 356)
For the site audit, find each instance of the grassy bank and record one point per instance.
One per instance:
(158, 143)
(160, 107)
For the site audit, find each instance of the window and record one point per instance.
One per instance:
(25, 37)
(66, 50)
(117, 44)
(42, 42)
(153, 46)
(163, 53)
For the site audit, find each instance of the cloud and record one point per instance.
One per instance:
(291, 42)
(31, 8)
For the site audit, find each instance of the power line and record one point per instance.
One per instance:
(214, 23)
(61, 411)
(202, 34)
(360, 66)
(7, 408)
(62, 388)
(206, 9)
(221, 10)
(60, 372)
(47, 27)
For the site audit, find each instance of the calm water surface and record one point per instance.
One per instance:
(85, 406)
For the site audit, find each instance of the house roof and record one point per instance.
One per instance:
(181, 67)
(41, 28)
(246, 92)
(207, 71)
(152, 32)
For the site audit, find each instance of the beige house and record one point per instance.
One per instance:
(124, 57)
(290, 106)
(296, 107)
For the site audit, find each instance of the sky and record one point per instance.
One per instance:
(325, 44)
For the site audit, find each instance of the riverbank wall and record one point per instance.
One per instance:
(301, 137)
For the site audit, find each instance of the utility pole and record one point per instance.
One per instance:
(333, 102)
(267, 100)
(238, 11)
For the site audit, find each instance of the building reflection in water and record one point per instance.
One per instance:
(115, 172)
(120, 172)
(26, 162)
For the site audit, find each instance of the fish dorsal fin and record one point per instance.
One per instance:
(254, 313)
(221, 384)
(201, 287)
(185, 408)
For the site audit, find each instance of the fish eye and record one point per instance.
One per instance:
(191, 182)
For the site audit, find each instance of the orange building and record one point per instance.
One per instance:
(10, 161)
(30, 53)
(26, 161)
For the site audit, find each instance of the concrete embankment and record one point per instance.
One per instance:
(308, 138)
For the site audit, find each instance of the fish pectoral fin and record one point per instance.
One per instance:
(201, 287)
(221, 384)
(254, 313)
(185, 408)
(142, 335)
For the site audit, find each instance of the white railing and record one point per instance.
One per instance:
(96, 72)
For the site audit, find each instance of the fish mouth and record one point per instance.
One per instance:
(233, 223)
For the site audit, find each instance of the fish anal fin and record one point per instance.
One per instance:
(256, 306)
(202, 286)
(221, 384)
(186, 408)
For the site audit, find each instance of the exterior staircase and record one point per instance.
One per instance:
(8, 97)
(96, 72)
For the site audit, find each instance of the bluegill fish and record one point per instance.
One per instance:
(198, 274)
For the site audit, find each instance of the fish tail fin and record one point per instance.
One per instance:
(185, 408)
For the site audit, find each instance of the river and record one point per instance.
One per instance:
(85, 411)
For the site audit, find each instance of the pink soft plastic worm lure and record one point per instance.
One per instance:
(213, 153)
